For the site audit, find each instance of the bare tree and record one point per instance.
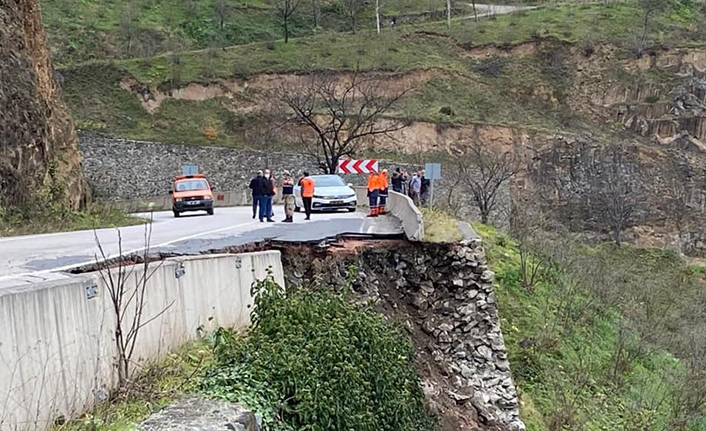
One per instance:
(678, 207)
(352, 9)
(129, 25)
(483, 172)
(649, 8)
(222, 10)
(475, 12)
(315, 13)
(126, 284)
(609, 193)
(285, 10)
(527, 227)
(341, 112)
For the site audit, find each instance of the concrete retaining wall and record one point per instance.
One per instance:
(402, 207)
(57, 342)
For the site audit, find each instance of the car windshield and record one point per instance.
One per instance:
(328, 181)
(185, 186)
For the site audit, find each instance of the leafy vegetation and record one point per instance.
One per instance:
(606, 339)
(314, 361)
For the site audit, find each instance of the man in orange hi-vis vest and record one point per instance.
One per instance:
(383, 184)
(307, 185)
(373, 193)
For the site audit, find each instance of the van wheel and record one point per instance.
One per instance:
(177, 214)
(210, 211)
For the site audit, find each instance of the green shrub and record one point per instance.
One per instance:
(312, 361)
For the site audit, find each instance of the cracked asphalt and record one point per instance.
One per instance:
(35, 257)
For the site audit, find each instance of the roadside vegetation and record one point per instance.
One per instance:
(313, 360)
(604, 337)
(152, 389)
(41, 216)
(440, 226)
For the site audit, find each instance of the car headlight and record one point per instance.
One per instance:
(208, 198)
(319, 197)
(178, 200)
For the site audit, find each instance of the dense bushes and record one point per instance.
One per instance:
(312, 361)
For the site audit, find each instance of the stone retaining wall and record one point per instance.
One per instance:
(123, 170)
(443, 295)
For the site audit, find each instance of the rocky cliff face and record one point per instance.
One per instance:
(38, 145)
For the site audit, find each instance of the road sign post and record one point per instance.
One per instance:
(359, 167)
(432, 171)
(189, 169)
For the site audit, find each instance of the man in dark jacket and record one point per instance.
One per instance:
(255, 187)
(426, 184)
(397, 181)
(267, 191)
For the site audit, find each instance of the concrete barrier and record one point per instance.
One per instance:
(403, 208)
(57, 339)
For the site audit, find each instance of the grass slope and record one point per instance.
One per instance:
(496, 90)
(586, 356)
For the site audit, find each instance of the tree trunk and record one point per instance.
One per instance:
(448, 13)
(286, 29)
(475, 13)
(377, 14)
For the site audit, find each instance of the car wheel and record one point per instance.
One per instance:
(177, 214)
(350, 210)
(297, 209)
(210, 211)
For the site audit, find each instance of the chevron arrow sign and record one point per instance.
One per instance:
(351, 166)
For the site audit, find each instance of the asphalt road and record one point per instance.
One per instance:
(30, 257)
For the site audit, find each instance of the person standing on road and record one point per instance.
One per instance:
(288, 197)
(255, 187)
(274, 193)
(397, 181)
(415, 188)
(405, 183)
(373, 193)
(267, 190)
(307, 190)
(424, 192)
(383, 186)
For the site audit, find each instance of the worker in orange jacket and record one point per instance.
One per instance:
(383, 186)
(373, 193)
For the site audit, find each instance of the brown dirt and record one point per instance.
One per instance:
(264, 86)
(519, 50)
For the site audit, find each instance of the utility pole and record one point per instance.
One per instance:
(448, 13)
(377, 14)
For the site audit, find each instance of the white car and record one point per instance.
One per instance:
(330, 193)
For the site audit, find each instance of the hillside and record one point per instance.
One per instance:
(39, 147)
(552, 84)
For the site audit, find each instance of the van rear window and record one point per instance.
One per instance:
(188, 185)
